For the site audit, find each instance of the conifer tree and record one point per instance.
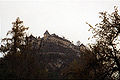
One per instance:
(12, 45)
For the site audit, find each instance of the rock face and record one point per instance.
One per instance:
(54, 51)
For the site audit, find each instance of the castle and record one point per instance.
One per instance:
(36, 42)
(56, 39)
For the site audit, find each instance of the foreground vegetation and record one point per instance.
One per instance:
(100, 61)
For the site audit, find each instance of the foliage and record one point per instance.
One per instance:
(107, 48)
(82, 68)
(24, 60)
(19, 61)
(12, 45)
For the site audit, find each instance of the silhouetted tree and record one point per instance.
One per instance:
(19, 61)
(107, 48)
(12, 45)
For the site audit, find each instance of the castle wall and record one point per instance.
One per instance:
(59, 41)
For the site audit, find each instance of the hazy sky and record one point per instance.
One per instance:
(64, 17)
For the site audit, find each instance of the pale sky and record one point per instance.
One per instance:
(63, 17)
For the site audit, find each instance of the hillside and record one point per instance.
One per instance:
(45, 58)
(55, 55)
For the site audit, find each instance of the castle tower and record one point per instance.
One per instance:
(46, 34)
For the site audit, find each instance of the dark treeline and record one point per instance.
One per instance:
(28, 57)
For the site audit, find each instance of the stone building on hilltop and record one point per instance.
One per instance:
(37, 42)
(55, 38)
(46, 34)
